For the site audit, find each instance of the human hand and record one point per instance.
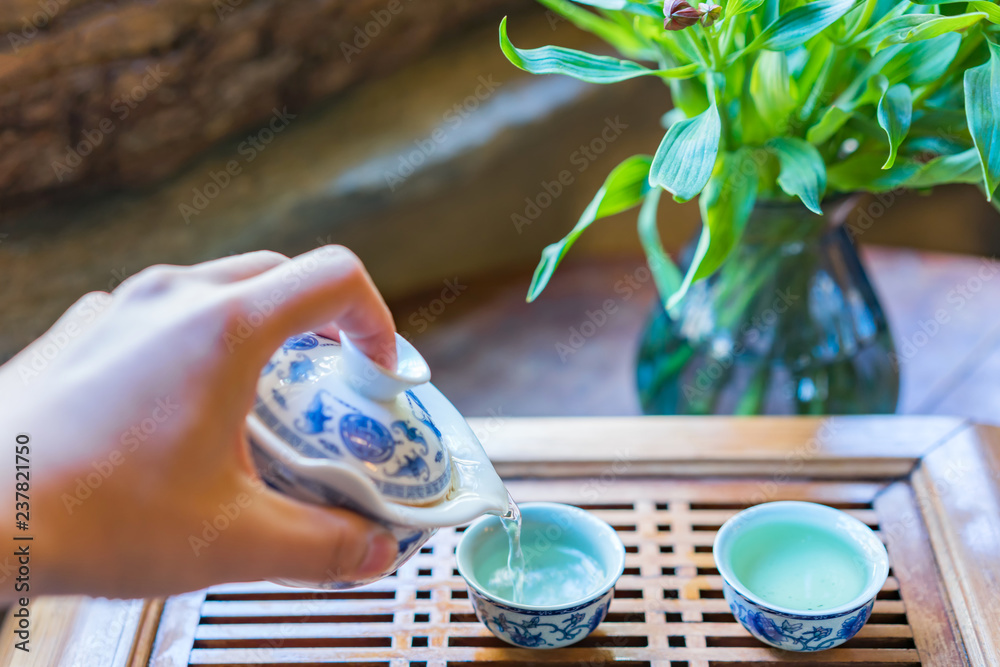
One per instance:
(137, 429)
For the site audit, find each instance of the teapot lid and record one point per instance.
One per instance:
(327, 400)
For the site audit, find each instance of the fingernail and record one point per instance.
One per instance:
(382, 550)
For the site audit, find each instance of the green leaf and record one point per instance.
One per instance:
(962, 167)
(921, 62)
(770, 87)
(686, 43)
(734, 7)
(915, 64)
(918, 27)
(800, 25)
(725, 206)
(871, 38)
(803, 172)
(948, 122)
(618, 36)
(602, 4)
(988, 7)
(991, 9)
(689, 95)
(665, 273)
(886, 9)
(934, 145)
(683, 162)
(832, 120)
(771, 12)
(580, 65)
(982, 107)
(895, 111)
(817, 59)
(910, 28)
(862, 171)
(616, 5)
(624, 187)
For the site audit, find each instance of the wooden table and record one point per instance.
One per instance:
(492, 353)
(928, 485)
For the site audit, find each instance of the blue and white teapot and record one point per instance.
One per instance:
(331, 426)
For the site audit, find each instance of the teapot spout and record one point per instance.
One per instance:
(476, 489)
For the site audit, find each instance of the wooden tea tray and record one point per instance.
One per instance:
(930, 486)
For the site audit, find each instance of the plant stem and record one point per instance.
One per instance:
(967, 48)
(866, 16)
(665, 59)
(714, 63)
(819, 88)
(703, 54)
(713, 46)
(728, 140)
(727, 35)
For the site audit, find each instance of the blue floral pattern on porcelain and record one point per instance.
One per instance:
(281, 478)
(331, 426)
(795, 632)
(543, 525)
(541, 629)
(397, 444)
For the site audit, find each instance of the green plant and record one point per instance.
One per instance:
(780, 99)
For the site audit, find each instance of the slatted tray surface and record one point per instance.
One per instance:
(668, 609)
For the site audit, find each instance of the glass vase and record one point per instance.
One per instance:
(789, 324)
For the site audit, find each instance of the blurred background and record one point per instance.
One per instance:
(135, 133)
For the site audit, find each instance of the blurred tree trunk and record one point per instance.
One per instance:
(124, 92)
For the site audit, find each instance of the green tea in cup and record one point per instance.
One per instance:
(556, 575)
(796, 565)
(571, 561)
(800, 576)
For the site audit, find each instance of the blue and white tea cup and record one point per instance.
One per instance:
(800, 629)
(543, 525)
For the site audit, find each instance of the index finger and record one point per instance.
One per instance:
(322, 290)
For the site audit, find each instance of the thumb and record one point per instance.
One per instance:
(289, 539)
